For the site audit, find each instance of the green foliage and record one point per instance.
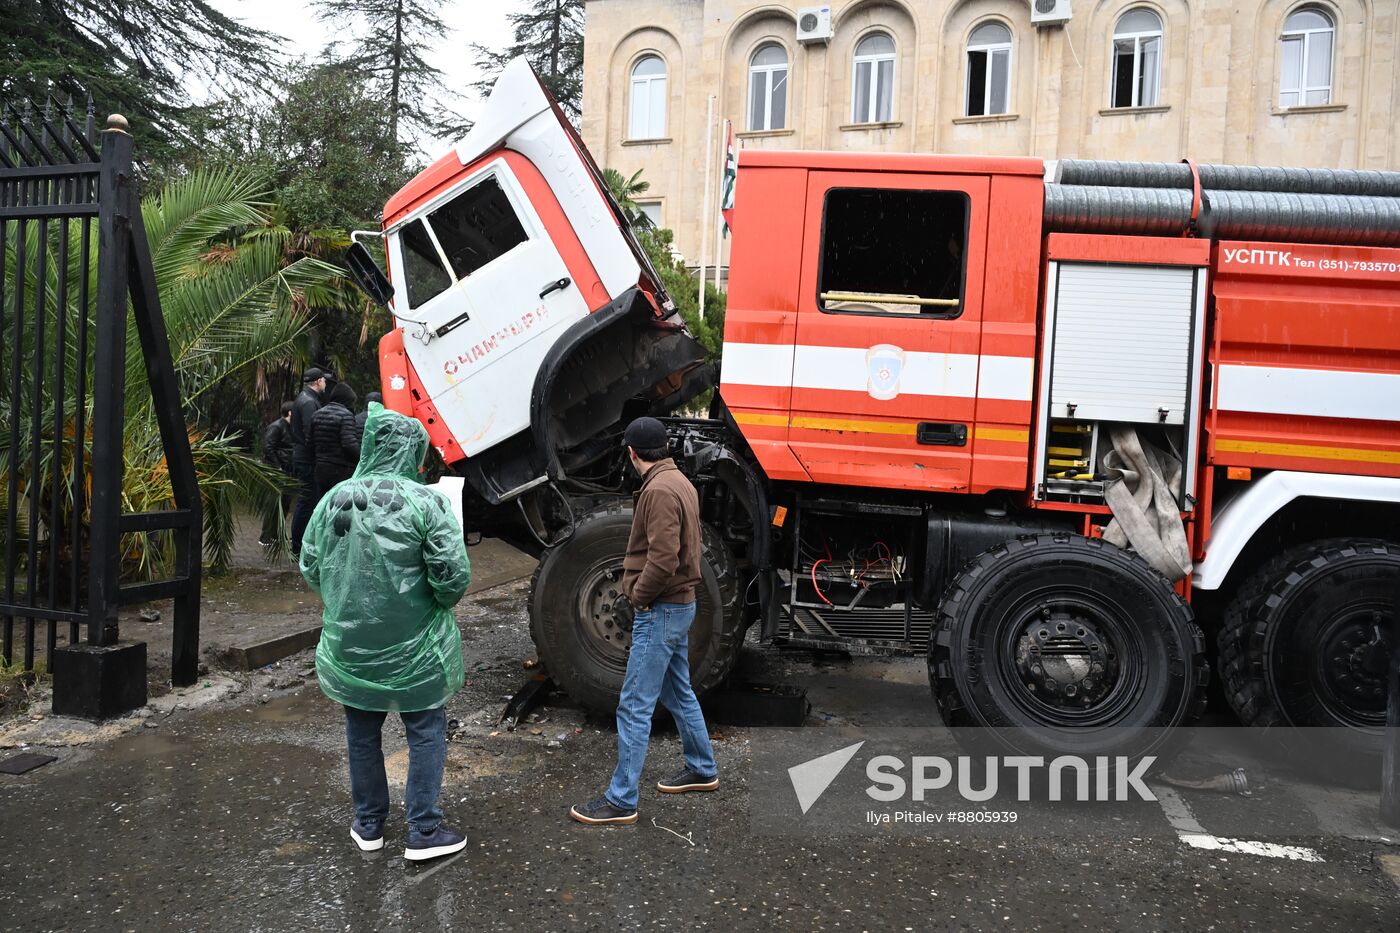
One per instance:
(136, 57)
(233, 305)
(549, 33)
(385, 52)
(626, 191)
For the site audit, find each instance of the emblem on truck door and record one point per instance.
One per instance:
(884, 364)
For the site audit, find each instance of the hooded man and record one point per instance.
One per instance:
(334, 441)
(389, 561)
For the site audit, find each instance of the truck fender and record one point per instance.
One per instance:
(1234, 523)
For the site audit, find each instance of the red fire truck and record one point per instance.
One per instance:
(1044, 423)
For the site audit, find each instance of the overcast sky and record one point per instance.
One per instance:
(482, 21)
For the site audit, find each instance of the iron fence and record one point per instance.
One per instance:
(76, 266)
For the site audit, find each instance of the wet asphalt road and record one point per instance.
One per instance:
(236, 819)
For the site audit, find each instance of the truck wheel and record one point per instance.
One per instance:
(1062, 644)
(1305, 642)
(582, 625)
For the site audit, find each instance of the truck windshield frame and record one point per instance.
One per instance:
(927, 287)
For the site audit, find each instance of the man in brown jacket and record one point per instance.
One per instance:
(660, 572)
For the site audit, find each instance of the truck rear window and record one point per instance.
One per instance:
(893, 251)
(477, 226)
(423, 272)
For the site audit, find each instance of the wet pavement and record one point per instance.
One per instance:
(235, 818)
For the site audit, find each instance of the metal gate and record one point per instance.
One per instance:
(75, 262)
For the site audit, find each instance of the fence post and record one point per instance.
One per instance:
(109, 380)
(106, 677)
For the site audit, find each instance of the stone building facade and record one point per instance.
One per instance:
(1290, 82)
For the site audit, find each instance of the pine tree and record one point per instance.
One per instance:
(138, 57)
(549, 33)
(388, 52)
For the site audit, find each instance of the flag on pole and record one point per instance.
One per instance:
(726, 185)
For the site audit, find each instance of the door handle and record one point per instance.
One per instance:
(942, 435)
(555, 286)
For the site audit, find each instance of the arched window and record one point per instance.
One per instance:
(1137, 59)
(648, 99)
(988, 69)
(872, 84)
(768, 81)
(1306, 75)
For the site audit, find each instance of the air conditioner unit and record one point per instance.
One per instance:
(1049, 12)
(814, 24)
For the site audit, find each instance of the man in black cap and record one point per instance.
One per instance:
(659, 575)
(303, 408)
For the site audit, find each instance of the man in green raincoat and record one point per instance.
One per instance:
(388, 558)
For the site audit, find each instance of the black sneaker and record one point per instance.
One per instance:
(369, 838)
(600, 811)
(687, 781)
(442, 841)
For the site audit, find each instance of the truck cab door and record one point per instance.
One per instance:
(482, 294)
(885, 368)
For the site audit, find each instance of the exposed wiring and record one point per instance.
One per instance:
(817, 586)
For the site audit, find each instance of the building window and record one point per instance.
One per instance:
(648, 99)
(650, 213)
(988, 69)
(910, 263)
(873, 82)
(768, 79)
(1306, 77)
(1137, 59)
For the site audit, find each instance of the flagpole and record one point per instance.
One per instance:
(719, 201)
(705, 204)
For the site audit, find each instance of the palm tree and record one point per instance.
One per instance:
(625, 191)
(232, 303)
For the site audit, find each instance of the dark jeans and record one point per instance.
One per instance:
(658, 668)
(306, 502)
(328, 474)
(427, 752)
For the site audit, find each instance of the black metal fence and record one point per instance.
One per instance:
(76, 265)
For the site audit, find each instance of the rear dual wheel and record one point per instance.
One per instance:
(1306, 641)
(1061, 644)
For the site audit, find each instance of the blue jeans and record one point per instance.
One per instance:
(658, 668)
(305, 474)
(427, 752)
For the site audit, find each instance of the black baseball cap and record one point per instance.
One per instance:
(312, 374)
(645, 434)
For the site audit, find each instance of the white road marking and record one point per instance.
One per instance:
(1191, 832)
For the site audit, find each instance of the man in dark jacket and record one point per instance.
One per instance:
(277, 452)
(659, 575)
(305, 406)
(370, 397)
(334, 441)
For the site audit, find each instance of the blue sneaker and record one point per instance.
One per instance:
(442, 841)
(369, 838)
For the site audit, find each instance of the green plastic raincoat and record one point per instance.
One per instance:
(388, 558)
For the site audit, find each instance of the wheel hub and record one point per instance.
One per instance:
(1065, 661)
(1356, 652)
(604, 612)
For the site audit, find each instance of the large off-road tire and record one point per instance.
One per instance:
(1061, 644)
(582, 626)
(1305, 642)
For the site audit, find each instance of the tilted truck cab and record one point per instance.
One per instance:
(991, 410)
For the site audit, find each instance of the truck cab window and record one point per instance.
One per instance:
(423, 272)
(893, 251)
(477, 226)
